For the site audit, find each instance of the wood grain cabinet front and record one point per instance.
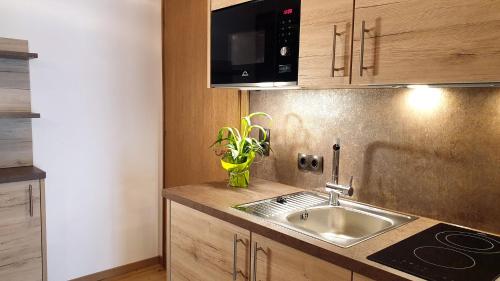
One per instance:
(277, 262)
(325, 43)
(346, 43)
(359, 277)
(219, 4)
(426, 42)
(20, 232)
(205, 248)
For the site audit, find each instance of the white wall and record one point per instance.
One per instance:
(97, 85)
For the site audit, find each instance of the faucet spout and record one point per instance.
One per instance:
(336, 162)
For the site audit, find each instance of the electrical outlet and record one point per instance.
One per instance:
(311, 163)
(316, 164)
(303, 162)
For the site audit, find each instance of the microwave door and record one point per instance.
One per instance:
(243, 44)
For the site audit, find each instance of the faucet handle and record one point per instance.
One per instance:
(340, 189)
(351, 189)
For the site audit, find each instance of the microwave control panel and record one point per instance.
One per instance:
(288, 40)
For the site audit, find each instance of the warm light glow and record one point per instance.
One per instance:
(423, 98)
(418, 86)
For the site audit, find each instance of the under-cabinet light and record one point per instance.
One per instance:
(418, 86)
(425, 99)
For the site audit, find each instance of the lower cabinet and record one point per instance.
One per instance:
(206, 248)
(359, 277)
(277, 262)
(20, 232)
(203, 248)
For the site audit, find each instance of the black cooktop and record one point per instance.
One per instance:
(445, 253)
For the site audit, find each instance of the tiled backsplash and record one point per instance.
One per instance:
(429, 152)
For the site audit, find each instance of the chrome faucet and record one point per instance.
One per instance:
(333, 188)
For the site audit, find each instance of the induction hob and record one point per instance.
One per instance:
(445, 253)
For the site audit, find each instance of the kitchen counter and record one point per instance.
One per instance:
(216, 199)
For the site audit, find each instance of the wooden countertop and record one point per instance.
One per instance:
(18, 174)
(216, 199)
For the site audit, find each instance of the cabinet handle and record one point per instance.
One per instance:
(256, 249)
(235, 257)
(30, 191)
(334, 51)
(362, 55)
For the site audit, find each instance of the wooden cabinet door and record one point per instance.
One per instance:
(325, 30)
(203, 247)
(276, 262)
(426, 41)
(219, 4)
(359, 277)
(20, 232)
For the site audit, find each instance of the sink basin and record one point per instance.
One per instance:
(338, 223)
(309, 213)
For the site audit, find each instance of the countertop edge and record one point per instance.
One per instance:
(298, 244)
(20, 174)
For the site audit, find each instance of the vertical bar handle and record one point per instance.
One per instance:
(30, 191)
(362, 51)
(256, 249)
(235, 257)
(334, 49)
(254, 275)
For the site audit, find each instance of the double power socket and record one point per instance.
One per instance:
(311, 163)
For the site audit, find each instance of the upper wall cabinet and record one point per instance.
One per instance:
(426, 41)
(219, 4)
(347, 43)
(325, 43)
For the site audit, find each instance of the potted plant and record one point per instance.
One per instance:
(238, 149)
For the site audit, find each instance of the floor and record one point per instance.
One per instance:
(152, 273)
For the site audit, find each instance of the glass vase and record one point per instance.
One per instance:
(239, 179)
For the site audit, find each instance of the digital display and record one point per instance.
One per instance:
(288, 12)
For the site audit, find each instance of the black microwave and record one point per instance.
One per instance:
(255, 44)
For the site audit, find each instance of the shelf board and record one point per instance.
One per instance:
(17, 55)
(18, 174)
(4, 115)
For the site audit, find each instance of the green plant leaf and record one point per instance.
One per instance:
(238, 145)
(251, 115)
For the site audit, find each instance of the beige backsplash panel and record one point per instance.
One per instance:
(430, 152)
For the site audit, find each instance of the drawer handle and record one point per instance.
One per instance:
(30, 191)
(334, 51)
(362, 55)
(256, 249)
(235, 257)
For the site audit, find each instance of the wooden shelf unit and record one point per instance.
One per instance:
(17, 55)
(22, 247)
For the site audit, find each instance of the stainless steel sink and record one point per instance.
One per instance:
(309, 213)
